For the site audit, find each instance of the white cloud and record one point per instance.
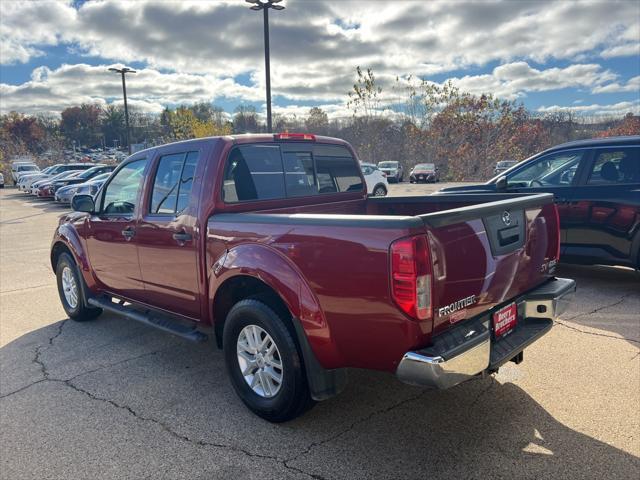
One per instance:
(194, 49)
(25, 25)
(513, 80)
(53, 90)
(614, 110)
(632, 85)
(624, 50)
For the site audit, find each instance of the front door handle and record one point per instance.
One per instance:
(128, 233)
(182, 236)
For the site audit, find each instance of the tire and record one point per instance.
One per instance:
(68, 279)
(277, 402)
(379, 191)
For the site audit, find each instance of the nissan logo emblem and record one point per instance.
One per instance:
(506, 218)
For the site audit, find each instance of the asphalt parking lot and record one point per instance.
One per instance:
(114, 399)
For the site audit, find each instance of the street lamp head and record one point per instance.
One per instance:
(122, 70)
(264, 4)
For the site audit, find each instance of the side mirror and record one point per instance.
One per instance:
(501, 184)
(83, 203)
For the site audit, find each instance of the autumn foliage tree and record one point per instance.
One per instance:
(630, 125)
(184, 123)
(82, 124)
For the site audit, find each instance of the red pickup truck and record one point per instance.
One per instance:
(270, 244)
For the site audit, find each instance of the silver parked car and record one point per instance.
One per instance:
(91, 187)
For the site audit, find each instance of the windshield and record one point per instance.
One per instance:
(28, 168)
(425, 166)
(388, 164)
(56, 177)
(66, 175)
(100, 178)
(88, 173)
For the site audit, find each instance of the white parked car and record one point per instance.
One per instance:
(377, 184)
(394, 170)
(21, 168)
(1, 180)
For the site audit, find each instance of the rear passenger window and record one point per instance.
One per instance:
(263, 172)
(620, 165)
(337, 170)
(173, 182)
(186, 181)
(299, 177)
(254, 172)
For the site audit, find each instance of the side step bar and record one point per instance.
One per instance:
(149, 318)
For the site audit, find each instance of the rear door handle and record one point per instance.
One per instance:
(182, 236)
(128, 233)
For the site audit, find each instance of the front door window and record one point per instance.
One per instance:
(121, 194)
(552, 170)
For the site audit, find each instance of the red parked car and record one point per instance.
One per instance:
(270, 244)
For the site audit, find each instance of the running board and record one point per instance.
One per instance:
(149, 318)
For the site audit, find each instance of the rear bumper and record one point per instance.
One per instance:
(470, 348)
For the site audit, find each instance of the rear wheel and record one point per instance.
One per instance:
(264, 363)
(379, 191)
(71, 291)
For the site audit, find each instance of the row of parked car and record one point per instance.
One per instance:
(62, 181)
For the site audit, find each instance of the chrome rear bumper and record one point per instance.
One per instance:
(469, 348)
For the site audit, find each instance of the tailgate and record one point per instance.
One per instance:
(486, 254)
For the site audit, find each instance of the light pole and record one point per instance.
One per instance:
(123, 71)
(265, 5)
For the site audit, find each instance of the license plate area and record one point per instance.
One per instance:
(505, 320)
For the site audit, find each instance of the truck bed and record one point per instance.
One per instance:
(345, 259)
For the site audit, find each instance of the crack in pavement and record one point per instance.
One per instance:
(603, 307)
(596, 334)
(596, 310)
(167, 428)
(40, 349)
(32, 287)
(87, 372)
(38, 361)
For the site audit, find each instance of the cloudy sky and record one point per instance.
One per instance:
(582, 55)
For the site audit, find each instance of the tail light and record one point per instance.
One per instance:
(555, 209)
(411, 276)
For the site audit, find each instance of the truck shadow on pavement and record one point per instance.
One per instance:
(113, 399)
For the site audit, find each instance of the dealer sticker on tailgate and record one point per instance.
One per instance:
(505, 319)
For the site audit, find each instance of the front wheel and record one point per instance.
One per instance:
(71, 292)
(264, 364)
